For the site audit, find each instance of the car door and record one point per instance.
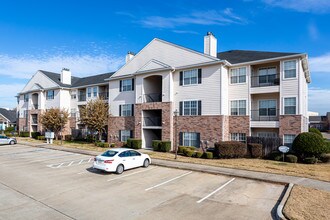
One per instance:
(136, 158)
(3, 140)
(126, 159)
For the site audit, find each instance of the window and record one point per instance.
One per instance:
(95, 91)
(238, 75)
(290, 69)
(267, 107)
(288, 139)
(191, 108)
(50, 94)
(26, 97)
(73, 112)
(238, 137)
(134, 153)
(290, 106)
(109, 153)
(73, 96)
(89, 92)
(267, 75)
(267, 134)
(126, 85)
(238, 107)
(125, 134)
(190, 139)
(126, 110)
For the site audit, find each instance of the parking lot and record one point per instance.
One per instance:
(38, 183)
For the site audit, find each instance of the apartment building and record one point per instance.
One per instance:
(169, 92)
(47, 90)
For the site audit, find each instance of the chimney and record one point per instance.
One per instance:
(129, 56)
(66, 76)
(210, 44)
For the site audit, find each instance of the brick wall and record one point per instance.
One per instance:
(239, 124)
(119, 123)
(290, 124)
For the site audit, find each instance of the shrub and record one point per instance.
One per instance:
(180, 149)
(255, 150)
(35, 134)
(309, 144)
(199, 154)
(134, 143)
(24, 134)
(156, 145)
(291, 158)
(42, 138)
(208, 155)
(230, 149)
(165, 146)
(9, 129)
(315, 131)
(189, 153)
(68, 137)
(8, 134)
(310, 160)
(325, 158)
(129, 143)
(112, 145)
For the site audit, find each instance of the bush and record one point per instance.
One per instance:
(180, 149)
(255, 150)
(189, 153)
(230, 149)
(165, 146)
(68, 137)
(315, 131)
(8, 134)
(309, 144)
(9, 129)
(112, 145)
(35, 134)
(325, 158)
(310, 160)
(24, 134)
(156, 145)
(291, 158)
(208, 155)
(42, 138)
(199, 154)
(134, 143)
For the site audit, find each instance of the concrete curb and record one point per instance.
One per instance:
(279, 211)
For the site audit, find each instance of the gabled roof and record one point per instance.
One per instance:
(153, 65)
(9, 114)
(242, 56)
(76, 81)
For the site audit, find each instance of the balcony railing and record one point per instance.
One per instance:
(152, 121)
(35, 106)
(265, 114)
(104, 95)
(82, 97)
(152, 97)
(265, 80)
(34, 121)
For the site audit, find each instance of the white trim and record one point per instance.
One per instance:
(193, 100)
(229, 75)
(267, 108)
(246, 107)
(283, 70)
(283, 104)
(269, 60)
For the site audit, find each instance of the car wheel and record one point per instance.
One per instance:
(120, 169)
(11, 142)
(146, 163)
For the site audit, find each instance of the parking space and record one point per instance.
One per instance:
(63, 185)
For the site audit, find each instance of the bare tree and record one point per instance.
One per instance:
(54, 119)
(95, 115)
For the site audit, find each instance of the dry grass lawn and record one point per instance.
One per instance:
(307, 203)
(313, 171)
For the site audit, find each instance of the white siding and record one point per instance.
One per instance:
(53, 103)
(118, 98)
(65, 99)
(224, 91)
(208, 91)
(40, 79)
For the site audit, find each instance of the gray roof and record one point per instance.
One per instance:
(242, 56)
(77, 81)
(9, 114)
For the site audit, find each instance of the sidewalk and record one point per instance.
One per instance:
(275, 178)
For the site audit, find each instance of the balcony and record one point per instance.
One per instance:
(82, 97)
(265, 80)
(104, 95)
(35, 106)
(152, 122)
(265, 118)
(152, 97)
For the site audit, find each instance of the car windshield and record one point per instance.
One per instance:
(109, 153)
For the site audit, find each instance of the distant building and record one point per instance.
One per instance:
(313, 114)
(320, 122)
(7, 118)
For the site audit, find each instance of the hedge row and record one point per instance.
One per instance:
(134, 143)
(230, 149)
(24, 134)
(191, 152)
(162, 146)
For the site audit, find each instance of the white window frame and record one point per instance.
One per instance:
(124, 136)
(231, 72)
(241, 137)
(267, 108)
(238, 100)
(284, 139)
(26, 97)
(296, 110)
(95, 91)
(268, 67)
(188, 139)
(191, 72)
(89, 92)
(296, 68)
(126, 85)
(50, 97)
(127, 109)
(189, 108)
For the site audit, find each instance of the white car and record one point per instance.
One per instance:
(7, 140)
(120, 159)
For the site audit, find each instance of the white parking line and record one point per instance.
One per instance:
(175, 178)
(71, 163)
(120, 177)
(201, 200)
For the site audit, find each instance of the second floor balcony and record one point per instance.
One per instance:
(81, 97)
(152, 97)
(265, 114)
(265, 80)
(152, 122)
(104, 95)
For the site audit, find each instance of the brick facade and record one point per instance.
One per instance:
(290, 124)
(115, 124)
(239, 124)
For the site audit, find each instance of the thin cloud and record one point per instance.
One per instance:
(211, 17)
(22, 67)
(313, 6)
(316, 100)
(313, 31)
(320, 63)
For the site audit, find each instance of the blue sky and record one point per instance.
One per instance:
(91, 37)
